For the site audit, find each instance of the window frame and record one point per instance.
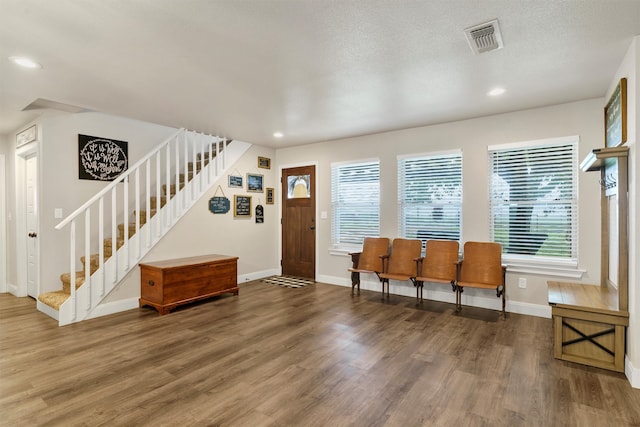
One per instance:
(402, 190)
(342, 247)
(540, 264)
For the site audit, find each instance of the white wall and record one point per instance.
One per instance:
(7, 147)
(630, 68)
(3, 213)
(472, 136)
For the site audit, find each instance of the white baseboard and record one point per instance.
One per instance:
(632, 373)
(12, 289)
(16, 291)
(113, 307)
(257, 275)
(444, 293)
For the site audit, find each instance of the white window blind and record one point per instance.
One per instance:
(430, 196)
(533, 199)
(355, 202)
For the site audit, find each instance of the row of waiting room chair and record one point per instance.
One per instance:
(480, 267)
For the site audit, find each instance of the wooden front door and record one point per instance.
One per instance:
(299, 222)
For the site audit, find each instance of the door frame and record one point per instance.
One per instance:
(318, 228)
(31, 149)
(3, 225)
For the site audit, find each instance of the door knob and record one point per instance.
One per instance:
(313, 227)
(33, 235)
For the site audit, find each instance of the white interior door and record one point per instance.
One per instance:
(31, 209)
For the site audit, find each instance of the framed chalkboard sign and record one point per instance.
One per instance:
(101, 159)
(254, 182)
(235, 181)
(615, 116)
(241, 206)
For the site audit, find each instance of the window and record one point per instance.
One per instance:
(533, 202)
(355, 202)
(430, 196)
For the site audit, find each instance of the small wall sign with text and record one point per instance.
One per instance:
(254, 182)
(219, 205)
(264, 162)
(101, 159)
(235, 181)
(241, 206)
(259, 214)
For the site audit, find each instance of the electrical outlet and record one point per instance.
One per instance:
(522, 283)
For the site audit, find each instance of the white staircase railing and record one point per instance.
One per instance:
(161, 187)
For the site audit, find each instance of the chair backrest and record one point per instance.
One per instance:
(482, 263)
(441, 258)
(372, 249)
(403, 255)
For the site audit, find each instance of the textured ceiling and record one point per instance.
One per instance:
(312, 69)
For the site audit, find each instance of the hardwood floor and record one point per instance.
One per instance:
(313, 356)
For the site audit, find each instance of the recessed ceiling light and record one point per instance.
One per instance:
(25, 62)
(496, 92)
(278, 135)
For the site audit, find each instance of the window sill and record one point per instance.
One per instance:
(344, 250)
(544, 267)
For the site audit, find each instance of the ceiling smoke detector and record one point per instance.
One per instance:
(484, 37)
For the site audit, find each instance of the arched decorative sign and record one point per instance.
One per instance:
(219, 204)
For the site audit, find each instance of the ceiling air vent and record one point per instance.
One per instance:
(484, 37)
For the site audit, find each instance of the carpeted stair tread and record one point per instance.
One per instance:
(65, 278)
(54, 299)
(154, 202)
(132, 229)
(95, 261)
(189, 176)
(143, 215)
(171, 188)
(198, 165)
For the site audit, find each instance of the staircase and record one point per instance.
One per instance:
(133, 213)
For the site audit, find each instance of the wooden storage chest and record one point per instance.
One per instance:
(166, 284)
(587, 326)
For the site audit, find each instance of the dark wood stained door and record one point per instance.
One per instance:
(299, 222)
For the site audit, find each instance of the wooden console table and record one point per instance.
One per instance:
(166, 284)
(588, 328)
